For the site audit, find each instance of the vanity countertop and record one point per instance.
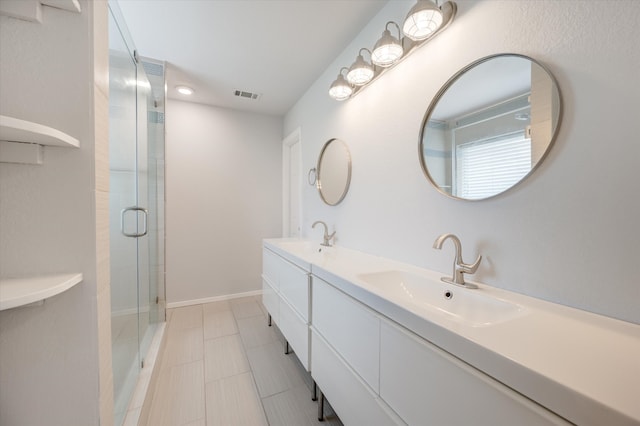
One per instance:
(582, 366)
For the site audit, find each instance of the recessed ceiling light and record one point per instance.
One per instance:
(185, 90)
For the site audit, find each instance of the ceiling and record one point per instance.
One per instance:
(275, 48)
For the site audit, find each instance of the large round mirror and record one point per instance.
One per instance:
(489, 126)
(334, 171)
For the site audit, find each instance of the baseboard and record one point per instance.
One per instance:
(212, 299)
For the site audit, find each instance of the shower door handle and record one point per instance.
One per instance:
(144, 211)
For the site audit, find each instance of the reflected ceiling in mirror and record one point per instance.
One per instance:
(490, 126)
(334, 171)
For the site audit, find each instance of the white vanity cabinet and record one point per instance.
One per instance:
(385, 352)
(426, 385)
(286, 296)
(374, 371)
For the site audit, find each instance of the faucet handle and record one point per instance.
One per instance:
(471, 268)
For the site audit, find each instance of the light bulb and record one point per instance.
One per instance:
(388, 49)
(361, 72)
(422, 21)
(340, 88)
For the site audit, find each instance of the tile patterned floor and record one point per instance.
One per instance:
(223, 365)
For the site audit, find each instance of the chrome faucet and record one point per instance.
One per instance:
(327, 237)
(459, 268)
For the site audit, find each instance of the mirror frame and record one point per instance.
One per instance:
(319, 172)
(443, 90)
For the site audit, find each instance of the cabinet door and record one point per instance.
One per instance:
(270, 267)
(350, 328)
(426, 385)
(349, 396)
(271, 301)
(296, 330)
(294, 287)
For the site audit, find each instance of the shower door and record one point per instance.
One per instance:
(134, 296)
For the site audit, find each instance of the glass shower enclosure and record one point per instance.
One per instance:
(136, 208)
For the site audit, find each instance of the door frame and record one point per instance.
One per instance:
(292, 139)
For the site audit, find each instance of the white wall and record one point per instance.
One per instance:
(224, 195)
(54, 357)
(570, 233)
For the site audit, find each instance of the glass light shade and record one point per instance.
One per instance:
(340, 89)
(422, 21)
(360, 73)
(387, 50)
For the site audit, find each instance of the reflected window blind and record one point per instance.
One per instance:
(488, 167)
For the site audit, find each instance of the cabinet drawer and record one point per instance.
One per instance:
(426, 385)
(352, 329)
(296, 330)
(270, 266)
(271, 300)
(294, 287)
(350, 397)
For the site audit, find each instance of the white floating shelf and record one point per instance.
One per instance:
(24, 291)
(16, 130)
(31, 10)
(70, 5)
(27, 10)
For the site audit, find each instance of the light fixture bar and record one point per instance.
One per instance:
(448, 10)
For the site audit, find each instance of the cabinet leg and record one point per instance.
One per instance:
(321, 407)
(286, 347)
(314, 393)
(269, 323)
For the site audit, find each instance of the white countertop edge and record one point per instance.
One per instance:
(563, 399)
(15, 292)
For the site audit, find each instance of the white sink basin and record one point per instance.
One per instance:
(468, 306)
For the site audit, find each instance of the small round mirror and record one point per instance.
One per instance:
(490, 126)
(334, 171)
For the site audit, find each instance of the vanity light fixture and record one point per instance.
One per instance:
(423, 22)
(341, 89)
(388, 49)
(361, 71)
(185, 90)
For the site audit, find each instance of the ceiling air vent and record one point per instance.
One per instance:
(245, 94)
